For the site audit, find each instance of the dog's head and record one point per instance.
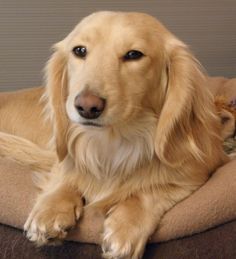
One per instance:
(114, 68)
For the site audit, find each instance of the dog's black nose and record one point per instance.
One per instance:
(89, 106)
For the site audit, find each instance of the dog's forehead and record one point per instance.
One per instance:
(117, 24)
(110, 20)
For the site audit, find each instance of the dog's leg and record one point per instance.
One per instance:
(130, 223)
(55, 212)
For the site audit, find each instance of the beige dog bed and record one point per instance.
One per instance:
(211, 205)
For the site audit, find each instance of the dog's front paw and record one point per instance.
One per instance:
(49, 223)
(122, 239)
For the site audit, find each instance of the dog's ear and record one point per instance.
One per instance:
(186, 113)
(56, 81)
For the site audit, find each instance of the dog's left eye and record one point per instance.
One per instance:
(80, 51)
(133, 55)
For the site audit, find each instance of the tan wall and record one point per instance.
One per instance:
(29, 27)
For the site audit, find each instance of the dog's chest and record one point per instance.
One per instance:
(110, 156)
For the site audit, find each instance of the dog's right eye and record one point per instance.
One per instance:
(80, 51)
(133, 55)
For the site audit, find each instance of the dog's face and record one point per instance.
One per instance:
(114, 69)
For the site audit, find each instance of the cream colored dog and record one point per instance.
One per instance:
(134, 128)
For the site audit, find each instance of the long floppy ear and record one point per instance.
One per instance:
(56, 76)
(187, 116)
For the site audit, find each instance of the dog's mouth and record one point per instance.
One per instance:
(90, 123)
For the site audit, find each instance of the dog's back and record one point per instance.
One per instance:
(21, 114)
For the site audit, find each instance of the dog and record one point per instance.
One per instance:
(134, 131)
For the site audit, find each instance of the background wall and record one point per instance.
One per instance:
(28, 28)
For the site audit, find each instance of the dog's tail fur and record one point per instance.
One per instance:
(26, 153)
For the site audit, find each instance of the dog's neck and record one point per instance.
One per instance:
(110, 151)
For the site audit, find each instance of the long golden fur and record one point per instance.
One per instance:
(158, 139)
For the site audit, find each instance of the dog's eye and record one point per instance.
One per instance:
(80, 51)
(133, 55)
